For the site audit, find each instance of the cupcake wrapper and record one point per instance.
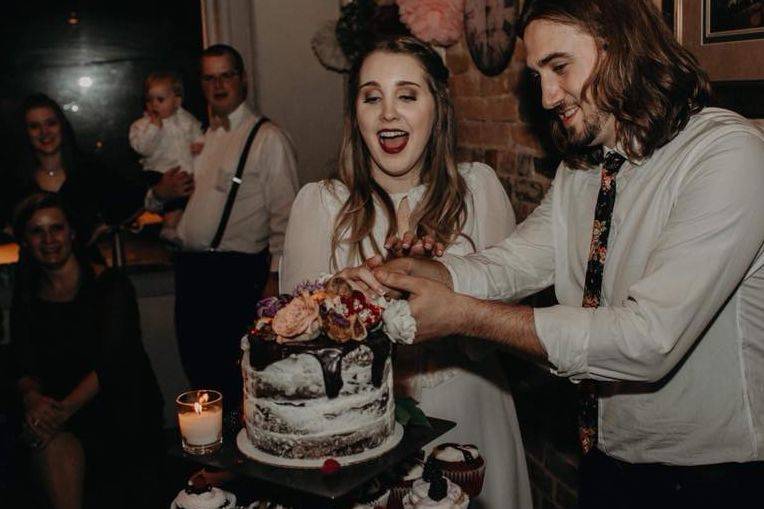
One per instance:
(381, 502)
(396, 497)
(471, 481)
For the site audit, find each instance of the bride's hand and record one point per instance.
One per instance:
(361, 278)
(411, 245)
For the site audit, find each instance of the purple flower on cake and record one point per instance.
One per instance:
(310, 287)
(342, 329)
(297, 321)
(269, 306)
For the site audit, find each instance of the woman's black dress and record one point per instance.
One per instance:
(58, 343)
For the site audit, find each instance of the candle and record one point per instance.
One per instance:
(203, 428)
(200, 417)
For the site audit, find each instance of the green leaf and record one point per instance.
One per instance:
(407, 412)
(402, 415)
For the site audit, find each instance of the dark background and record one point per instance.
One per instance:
(49, 46)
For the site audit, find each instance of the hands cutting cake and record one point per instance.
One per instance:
(424, 285)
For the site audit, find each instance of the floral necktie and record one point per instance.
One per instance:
(603, 213)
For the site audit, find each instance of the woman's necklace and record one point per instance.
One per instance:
(50, 178)
(51, 172)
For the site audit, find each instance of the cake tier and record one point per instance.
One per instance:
(320, 398)
(321, 427)
(309, 369)
(317, 415)
(330, 445)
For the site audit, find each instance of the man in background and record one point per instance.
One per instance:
(225, 265)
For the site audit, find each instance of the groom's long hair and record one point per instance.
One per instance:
(643, 77)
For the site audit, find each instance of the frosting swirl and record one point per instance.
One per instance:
(214, 498)
(450, 453)
(419, 497)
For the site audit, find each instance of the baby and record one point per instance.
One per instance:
(167, 136)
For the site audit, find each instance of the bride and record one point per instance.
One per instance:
(398, 180)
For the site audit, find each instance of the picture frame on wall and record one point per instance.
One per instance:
(732, 20)
(728, 42)
(726, 46)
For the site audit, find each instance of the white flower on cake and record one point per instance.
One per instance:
(398, 323)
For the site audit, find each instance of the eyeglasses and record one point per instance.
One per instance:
(224, 77)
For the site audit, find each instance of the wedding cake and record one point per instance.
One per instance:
(317, 372)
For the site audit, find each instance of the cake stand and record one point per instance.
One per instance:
(310, 482)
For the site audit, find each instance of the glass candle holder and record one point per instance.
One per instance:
(200, 417)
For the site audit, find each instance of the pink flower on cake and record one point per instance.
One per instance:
(438, 22)
(297, 321)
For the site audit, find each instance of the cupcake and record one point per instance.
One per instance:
(434, 491)
(205, 497)
(462, 464)
(406, 473)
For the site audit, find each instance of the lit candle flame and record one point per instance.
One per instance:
(202, 399)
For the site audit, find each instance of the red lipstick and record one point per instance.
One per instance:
(392, 141)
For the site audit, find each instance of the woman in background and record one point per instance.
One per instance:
(398, 179)
(51, 161)
(90, 404)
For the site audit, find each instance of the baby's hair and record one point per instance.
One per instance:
(169, 77)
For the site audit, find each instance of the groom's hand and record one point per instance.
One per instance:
(438, 311)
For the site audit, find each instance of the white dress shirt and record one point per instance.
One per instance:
(308, 247)
(269, 183)
(680, 330)
(168, 146)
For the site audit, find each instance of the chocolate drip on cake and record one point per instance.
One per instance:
(331, 366)
(329, 354)
(381, 347)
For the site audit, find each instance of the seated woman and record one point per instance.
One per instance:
(51, 161)
(91, 406)
(397, 177)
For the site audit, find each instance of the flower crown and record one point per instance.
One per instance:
(333, 308)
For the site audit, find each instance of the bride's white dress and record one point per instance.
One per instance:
(459, 379)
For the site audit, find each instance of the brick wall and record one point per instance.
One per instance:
(490, 130)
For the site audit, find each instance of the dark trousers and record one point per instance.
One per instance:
(215, 298)
(609, 483)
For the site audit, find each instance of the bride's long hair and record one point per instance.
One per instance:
(442, 211)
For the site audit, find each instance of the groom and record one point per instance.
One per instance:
(655, 251)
